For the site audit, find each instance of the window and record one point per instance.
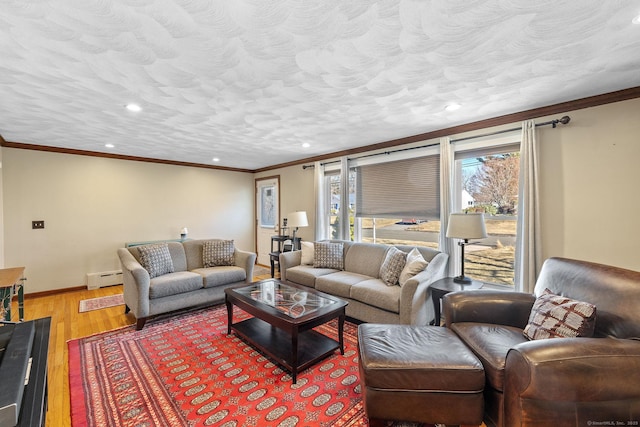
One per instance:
(487, 181)
(267, 207)
(334, 204)
(398, 201)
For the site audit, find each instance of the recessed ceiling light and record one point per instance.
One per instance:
(109, 145)
(306, 145)
(636, 20)
(452, 106)
(215, 159)
(134, 107)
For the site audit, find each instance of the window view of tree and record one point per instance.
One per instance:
(490, 185)
(494, 184)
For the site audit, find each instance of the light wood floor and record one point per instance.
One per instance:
(66, 324)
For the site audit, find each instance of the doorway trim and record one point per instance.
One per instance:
(255, 207)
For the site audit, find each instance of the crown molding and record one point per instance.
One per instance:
(35, 147)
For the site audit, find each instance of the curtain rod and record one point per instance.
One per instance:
(563, 120)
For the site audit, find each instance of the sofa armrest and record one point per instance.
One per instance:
(415, 306)
(135, 283)
(288, 260)
(246, 260)
(555, 375)
(487, 306)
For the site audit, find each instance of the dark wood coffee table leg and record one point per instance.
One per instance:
(294, 354)
(340, 331)
(229, 314)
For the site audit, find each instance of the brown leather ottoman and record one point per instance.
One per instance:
(420, 374)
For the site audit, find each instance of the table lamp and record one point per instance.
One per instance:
(465, 227)
(296, 220)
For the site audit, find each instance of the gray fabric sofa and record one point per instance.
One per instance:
(191, 284)
(370, 299)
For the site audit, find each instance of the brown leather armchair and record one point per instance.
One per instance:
(556, 381)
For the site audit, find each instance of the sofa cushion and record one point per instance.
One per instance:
(392, 266)
(328, 255)
(339, 284)
(376, 293)
(555, 316)
(490, 343)
(156, 259)
(218, 252)
(221, 275)
(169, 284)
(365, 258)
(415, 264)
(307, 274)
(307, 253)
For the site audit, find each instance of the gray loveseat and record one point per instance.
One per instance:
(370, 299)
(191, 284)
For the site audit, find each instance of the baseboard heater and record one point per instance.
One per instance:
(104, 278)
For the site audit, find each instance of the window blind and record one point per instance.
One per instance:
(401, 189)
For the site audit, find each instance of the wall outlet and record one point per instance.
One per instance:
(37, 224)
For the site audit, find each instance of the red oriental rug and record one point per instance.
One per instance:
(186, 371)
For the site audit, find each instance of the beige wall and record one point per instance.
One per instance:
(590, 184)
(92, 206)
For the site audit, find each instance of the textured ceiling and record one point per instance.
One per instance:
(249, 81)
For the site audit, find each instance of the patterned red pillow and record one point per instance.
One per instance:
(554, 316)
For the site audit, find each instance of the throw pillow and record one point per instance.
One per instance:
(554, 316)
(414, 265)
(218, 252)
(156, 259)
(328, 255)
(307, 253)
(392, 266)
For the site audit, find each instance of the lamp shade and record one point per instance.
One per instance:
(297, 219)
(466, 226)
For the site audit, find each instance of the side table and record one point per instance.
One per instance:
(444, 286)
(11, 282)
(274, 255)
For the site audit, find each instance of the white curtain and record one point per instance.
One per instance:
(528, 241)
(446, 203)
(343, 232)
(322, 220)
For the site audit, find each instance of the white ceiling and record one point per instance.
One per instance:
(249, 81)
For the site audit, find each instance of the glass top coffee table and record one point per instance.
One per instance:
(284, 316)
